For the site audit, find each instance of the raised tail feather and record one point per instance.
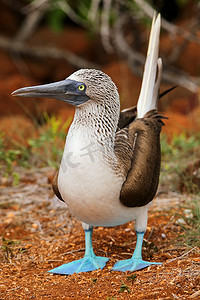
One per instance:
(150, 84)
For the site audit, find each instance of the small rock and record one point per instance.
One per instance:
(181, 221)
(166, 255)
(188, 213)
(34, 225)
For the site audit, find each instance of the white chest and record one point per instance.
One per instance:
(89, 185)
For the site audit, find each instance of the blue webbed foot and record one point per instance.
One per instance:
(85, 264)
(89, 262)
(135, 262)
(132, 265)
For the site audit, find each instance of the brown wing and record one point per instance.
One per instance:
(142, 161)
(55, 187)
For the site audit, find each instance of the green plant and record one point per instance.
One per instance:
(176, 154)
(55, 19)
(124, 287)
(16, 178)
(131, 277)
(48, 147)
(7, 155)
(151, 248)
(7, 248)
(191, 223)
(180, 144)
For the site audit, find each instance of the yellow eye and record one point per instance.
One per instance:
(81, 87)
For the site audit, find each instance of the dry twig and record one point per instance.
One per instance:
(136, 60)
(105, 28)
(179, 257)
(44, 52)
(171, 28)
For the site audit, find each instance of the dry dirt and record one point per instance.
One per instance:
(38, 233)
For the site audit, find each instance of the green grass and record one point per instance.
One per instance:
(179, 145)
(47, 149)
(9, 247)
(124, 287)
(44, 150)
(190, 223)
(176, 154)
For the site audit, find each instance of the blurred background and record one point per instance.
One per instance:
(46, 40)
(42, 41)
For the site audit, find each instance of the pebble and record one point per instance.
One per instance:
(34, 225)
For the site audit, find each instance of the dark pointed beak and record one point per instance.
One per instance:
(64, 90)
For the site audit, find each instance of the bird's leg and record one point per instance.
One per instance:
(135, 262)
(137, 254)
(88, 243)
(89, 262)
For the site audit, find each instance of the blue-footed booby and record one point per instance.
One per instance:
(111, 161)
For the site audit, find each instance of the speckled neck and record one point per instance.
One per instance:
(98, 120)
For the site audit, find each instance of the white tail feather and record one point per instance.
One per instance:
(149, 91)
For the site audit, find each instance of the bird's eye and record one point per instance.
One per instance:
(81, 87)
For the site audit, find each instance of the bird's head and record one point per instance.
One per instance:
(84, 85)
